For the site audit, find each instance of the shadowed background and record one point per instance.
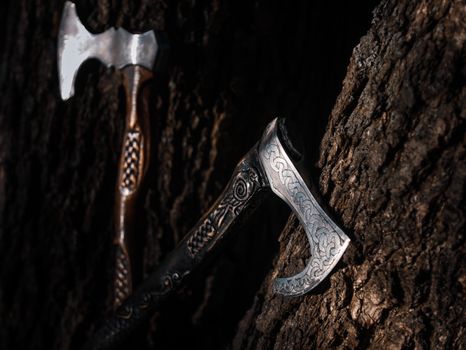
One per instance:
(234, 66)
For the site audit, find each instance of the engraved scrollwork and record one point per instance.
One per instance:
(146, 301)
(125, 312)
(234, 198)
(240, 189)
(327, 241)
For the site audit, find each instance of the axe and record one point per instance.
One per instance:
(135, 55)
(270, 167)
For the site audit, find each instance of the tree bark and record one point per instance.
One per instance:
(392, 166)
(393, 169)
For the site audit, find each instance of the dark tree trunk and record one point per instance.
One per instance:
(392, 166)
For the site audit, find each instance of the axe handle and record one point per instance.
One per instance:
(133, 165)
(243, 193)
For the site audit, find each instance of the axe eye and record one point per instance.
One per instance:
(290, 138)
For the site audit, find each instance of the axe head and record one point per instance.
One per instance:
(114, 47)
(280, 161)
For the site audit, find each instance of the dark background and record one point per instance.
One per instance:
(234, 66)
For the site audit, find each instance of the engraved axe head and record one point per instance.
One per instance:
(114, 47)
(327, 241)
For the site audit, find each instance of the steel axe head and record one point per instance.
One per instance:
(326, 240)
(115, 47)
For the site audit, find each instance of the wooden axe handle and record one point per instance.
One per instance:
(134, 160)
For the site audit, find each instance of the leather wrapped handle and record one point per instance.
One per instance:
(134, 160)
(243, 193)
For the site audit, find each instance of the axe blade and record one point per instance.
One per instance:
(327, 241)
(272, 163)
(73, 39)
(114, 47)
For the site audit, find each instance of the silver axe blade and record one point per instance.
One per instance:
(326, 240)
(270, 167)
(114, 47)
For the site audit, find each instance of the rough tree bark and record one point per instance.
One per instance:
(392, 167)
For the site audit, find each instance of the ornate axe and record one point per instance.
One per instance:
(270, 167)
(135, 55)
